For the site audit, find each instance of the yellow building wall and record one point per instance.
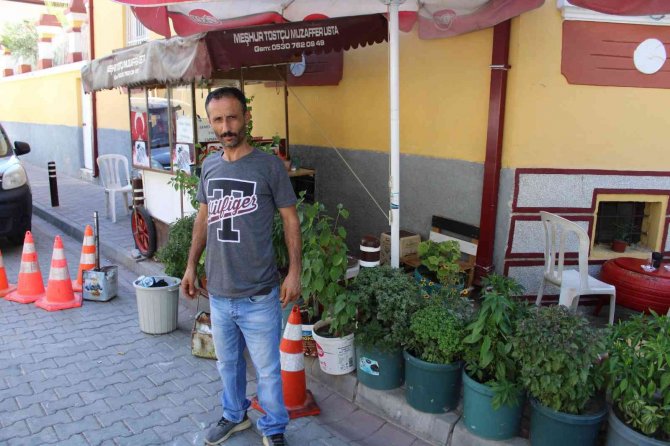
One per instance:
(443, 100)
(53, 99)
(551, 123)
(110, 22)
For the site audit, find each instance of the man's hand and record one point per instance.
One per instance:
(188, 284)
(290, 290)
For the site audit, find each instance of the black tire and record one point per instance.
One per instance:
(144, 231)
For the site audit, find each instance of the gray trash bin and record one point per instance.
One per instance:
(157, 307)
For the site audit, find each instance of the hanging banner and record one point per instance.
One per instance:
(269, 44)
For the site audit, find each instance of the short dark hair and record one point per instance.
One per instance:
(226, 92)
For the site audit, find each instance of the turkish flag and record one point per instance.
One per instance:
(138, 126)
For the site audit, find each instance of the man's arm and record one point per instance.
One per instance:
(198, 242)
(291, 289)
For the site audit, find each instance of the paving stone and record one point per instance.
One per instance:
(147, 438)
(22, 389)
(67, 430)
(151, 405)
(9, 405)
(34, 411)
(174, 430)
(36, 424)
(163, 377)
(137, 425)
(64, 392)
(77, 440)
(138, 384)
(177, 412)
(116, 430)
(94, 395)
(98, 406)
(41, 397)
(154, 392)
(45, 436)
(15, 430)
(117, 402)
(70, 370)
(48, 384)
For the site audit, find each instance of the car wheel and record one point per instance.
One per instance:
(144, 231)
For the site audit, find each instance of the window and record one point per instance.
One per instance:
(640, 216)
(614, 216)
(136, 33)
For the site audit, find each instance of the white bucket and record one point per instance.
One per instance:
(336, 355)
(158, 307)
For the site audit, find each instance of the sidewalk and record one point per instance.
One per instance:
(351, 413)
(88, 376)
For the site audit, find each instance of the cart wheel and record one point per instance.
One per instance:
(144, 231)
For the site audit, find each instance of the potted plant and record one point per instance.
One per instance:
(558, 353)
(439, 265)
(621, 237)
(638, 375)
(492, 398)
(174, 254)
(324, 264)
(434, 352)
(384, 300)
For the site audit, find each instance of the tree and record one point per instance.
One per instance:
(21, 39)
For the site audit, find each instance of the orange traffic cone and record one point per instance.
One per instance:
(5, 286)
(59, 295)
(31, 285)
(298, 400)
(87, 259)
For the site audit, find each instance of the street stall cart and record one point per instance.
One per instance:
(167, 82)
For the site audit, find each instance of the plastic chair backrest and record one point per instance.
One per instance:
(556, 230)
(111, 169)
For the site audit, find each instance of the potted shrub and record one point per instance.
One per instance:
(324, 264)
(492, 398)
(638, 375)
(174, 254)
(385, 299)
(434, 352)
(439, 265)
(621, 237)
(559, 358)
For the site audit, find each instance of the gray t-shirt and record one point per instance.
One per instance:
(242, 197)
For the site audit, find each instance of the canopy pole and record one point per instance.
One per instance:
(394, 90)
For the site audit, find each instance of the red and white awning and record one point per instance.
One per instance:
(435, 18)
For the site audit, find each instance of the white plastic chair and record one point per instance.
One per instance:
(573, 283)
(112, 168)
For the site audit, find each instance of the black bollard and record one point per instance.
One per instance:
(53, 184)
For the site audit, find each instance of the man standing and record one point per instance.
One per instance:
(239, 191)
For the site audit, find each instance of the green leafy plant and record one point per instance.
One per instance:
(385, 298)
(21, 39)
(488, 344)
(441, 258)
(324, 258)
(638, 373)
(188, 184)
(437, 330)
(174, 255)
(558, 352)
(622, 231)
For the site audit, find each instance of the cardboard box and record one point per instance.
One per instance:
(409, 244)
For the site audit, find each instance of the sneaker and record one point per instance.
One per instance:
(224, 429)
(275, 440)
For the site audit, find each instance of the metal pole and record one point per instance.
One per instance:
(96, 237)
(53, 184)
(394, 90)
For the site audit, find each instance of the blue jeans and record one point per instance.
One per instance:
(254, 322)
